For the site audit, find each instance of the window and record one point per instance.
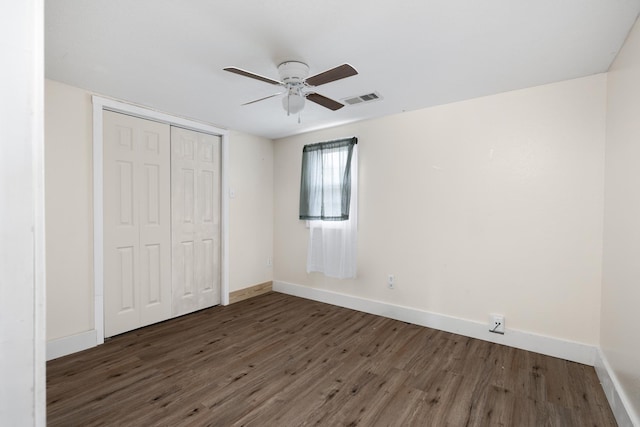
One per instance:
(329, 199)
(325, 187)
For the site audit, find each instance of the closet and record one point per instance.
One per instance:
(161, 204)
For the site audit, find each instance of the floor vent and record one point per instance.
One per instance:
(369, 97)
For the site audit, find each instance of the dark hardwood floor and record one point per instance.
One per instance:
(278, 360)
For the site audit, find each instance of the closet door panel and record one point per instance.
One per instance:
(209, 218)
(155, 223)
(195, 187)
(137, 250)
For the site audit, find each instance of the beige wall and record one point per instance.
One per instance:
(69, 213)
(251, 210)
(620, 341)
(68, 210)
(492, 205)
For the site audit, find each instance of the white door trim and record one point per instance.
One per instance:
(100, 104)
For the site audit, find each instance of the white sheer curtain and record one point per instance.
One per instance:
(333, 244)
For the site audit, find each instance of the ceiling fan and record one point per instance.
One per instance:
(298, 87)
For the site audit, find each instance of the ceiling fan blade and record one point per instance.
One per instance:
(252, 75)
(337, 73)
(324, 101)
(262, 99)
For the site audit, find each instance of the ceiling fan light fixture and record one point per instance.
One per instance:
(293, 103)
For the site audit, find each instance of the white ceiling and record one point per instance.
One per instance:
(169, 54)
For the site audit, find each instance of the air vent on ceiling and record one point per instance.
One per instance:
(369, 97)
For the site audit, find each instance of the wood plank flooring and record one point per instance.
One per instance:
(278, 360)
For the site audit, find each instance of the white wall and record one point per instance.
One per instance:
(250, 210)
(22, 308)
(620, 340)
(69, 210)
(492, 205)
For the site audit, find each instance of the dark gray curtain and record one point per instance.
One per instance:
(325, 185)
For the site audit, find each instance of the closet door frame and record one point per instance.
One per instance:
(99, 105)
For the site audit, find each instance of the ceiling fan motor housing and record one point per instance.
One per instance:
(293, 72)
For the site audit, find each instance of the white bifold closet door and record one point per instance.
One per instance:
(137, 227)
(195, 211)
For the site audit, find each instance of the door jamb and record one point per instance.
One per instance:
(99, 105)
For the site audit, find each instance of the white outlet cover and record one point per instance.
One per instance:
(496, 323)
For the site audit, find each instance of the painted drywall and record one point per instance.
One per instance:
(621, 255)
(22, 286)
(69, 210)
(492, 205)
(250, 210)
(68, 182)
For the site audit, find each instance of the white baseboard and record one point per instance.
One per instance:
(71, 344)
(618, 400)
(568, 350)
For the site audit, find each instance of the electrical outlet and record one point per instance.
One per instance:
(269, 262)
(496, 323)
(391, 281)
